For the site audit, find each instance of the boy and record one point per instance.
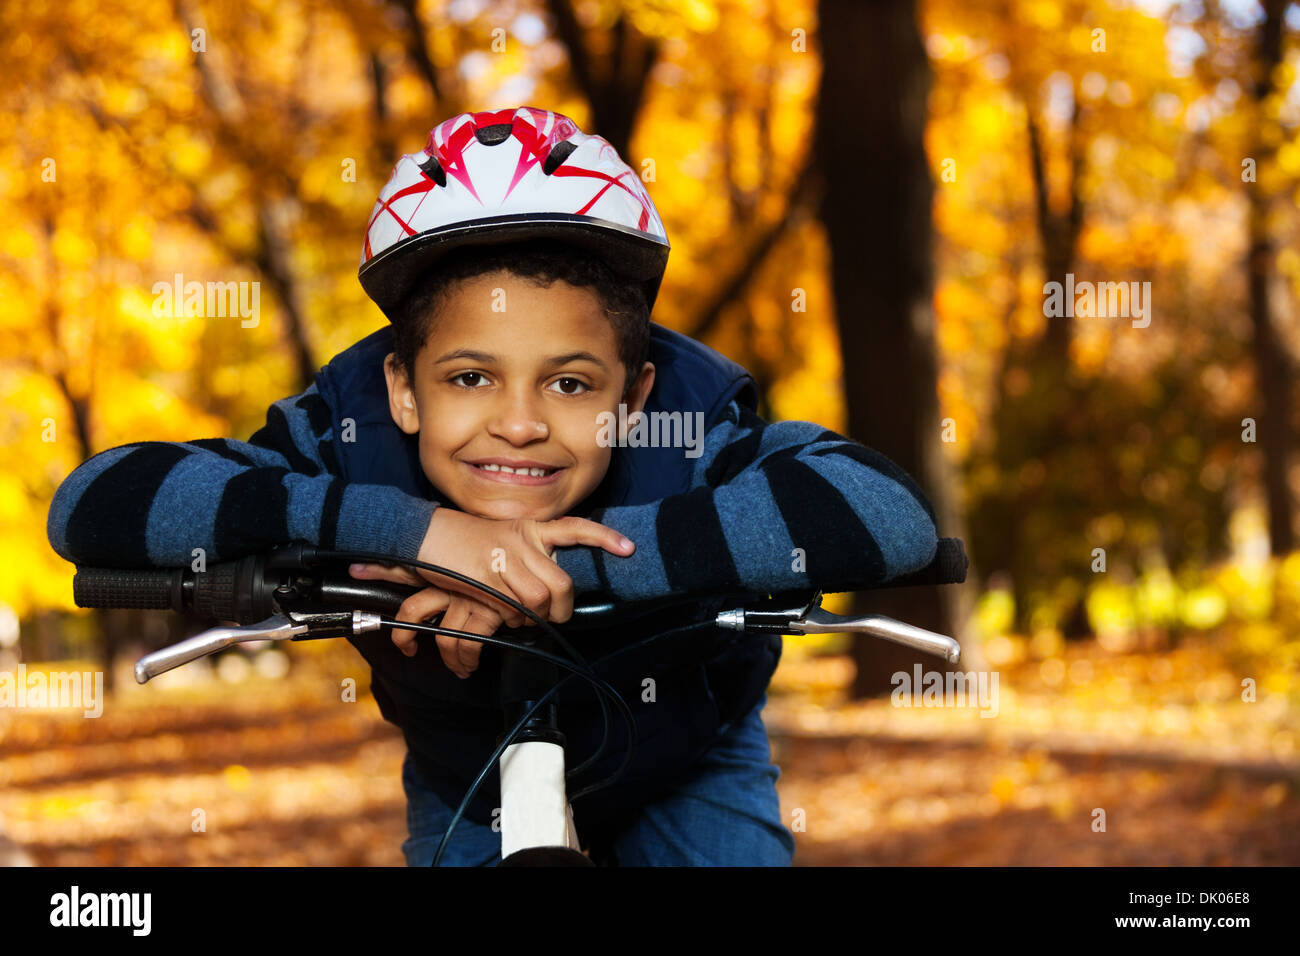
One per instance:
(517, 260)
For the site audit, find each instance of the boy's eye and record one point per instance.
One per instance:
(469, 379)
(569, 386)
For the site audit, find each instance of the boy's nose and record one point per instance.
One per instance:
(519, 424)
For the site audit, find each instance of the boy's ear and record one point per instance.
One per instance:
(639, 390)
(401, 396)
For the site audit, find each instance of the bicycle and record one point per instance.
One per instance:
(299, 592)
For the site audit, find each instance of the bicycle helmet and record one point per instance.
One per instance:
(506, 175)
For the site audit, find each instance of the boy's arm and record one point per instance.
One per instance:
(153, 503)
(761, 491)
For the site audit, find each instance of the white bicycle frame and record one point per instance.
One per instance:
(535, 810)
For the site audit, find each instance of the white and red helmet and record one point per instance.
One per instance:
(505, 175)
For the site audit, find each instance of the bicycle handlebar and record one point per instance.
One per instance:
(243, 590)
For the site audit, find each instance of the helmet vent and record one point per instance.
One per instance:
(558, 154)
(491, 135)
(433, 169)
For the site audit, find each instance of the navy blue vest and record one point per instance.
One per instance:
(705, 677)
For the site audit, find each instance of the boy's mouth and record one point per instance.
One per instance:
(514, 472)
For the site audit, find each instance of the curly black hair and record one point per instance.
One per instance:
(543, 261)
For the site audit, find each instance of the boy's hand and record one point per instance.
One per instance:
(514, 556)
(461, 614)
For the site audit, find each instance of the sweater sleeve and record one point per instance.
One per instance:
(772, 507)
(150, 504)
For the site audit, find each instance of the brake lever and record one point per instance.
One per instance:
(274, 628)
(814, 619)
(821, 621)
(278, 627)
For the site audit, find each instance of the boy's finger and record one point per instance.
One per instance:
(509, 615)
(481, 621)
(528, 589)
(456, 619)
(559, 584)
(383, 572)
(418, 607)
(469, 655)
(566, 532)
(405, 641)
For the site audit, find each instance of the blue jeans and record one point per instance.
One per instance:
(726, 813)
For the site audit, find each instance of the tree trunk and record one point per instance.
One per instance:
(1027, 418)
(1272, 363)
(876, 209)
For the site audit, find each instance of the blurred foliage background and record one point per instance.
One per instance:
(865, 202)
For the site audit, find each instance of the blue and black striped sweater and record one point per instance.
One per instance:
(759, 491)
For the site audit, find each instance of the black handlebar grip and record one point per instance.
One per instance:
(214, 592)
(237, 590)
(948, 567)
(140, 589)
(950, 561)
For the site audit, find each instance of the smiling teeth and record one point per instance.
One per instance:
(534, 472)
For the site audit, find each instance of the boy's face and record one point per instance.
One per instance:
(518, 388)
